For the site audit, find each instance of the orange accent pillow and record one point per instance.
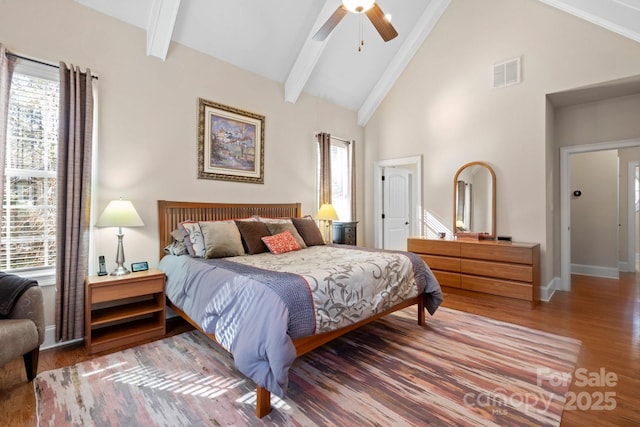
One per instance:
(281, 243)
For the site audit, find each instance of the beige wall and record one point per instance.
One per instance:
(148, 113)
(594, 214)
(443, 108)
(607, 120)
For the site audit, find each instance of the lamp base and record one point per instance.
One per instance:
(328, 231)
(120, 270)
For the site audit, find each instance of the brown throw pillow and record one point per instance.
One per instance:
(252, 233)
(308, 229)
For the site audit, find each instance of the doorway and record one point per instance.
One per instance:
(565, 200)
(406, 187)
(396, 207)
(633, 208)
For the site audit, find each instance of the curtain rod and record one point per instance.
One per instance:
(40, 62)
(346, 141)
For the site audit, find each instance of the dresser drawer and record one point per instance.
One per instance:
(509, 269)
(436, 262)
(434, 247)
(446, 278)
(497, 287)
(498, 270)
(349, 236)
(498, 252)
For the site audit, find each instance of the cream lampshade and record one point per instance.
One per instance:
(120, 213)
(327, 213)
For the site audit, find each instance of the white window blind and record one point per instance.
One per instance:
(28, 232)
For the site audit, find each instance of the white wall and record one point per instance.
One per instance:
(444, 108)
(148, 112)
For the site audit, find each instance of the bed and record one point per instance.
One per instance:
(288, 328)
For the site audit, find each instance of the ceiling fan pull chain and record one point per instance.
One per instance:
(361, 37)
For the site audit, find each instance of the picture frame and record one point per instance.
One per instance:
(230, 143)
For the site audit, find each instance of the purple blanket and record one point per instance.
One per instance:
(291, 288)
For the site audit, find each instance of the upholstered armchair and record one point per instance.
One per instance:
(22, 330)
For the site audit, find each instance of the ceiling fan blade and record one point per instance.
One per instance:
(331, 23)
(384, 27)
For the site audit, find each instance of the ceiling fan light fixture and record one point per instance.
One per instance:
(358, 6)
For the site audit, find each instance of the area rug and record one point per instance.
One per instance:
(461, 369)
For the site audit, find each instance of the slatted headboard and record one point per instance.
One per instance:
(170, 214)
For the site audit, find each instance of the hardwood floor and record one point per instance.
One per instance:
(603, 313)
(17, 399)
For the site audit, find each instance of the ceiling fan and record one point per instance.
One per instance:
(368, 7)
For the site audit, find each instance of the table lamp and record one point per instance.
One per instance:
(120, 213)
(327, 213)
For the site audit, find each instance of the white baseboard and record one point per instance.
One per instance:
(594, 270)
(623, 266)
(50, 339)
(547, 291)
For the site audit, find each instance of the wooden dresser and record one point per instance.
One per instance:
(488, 266)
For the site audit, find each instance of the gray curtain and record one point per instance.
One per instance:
(324, 143)
(74, 196)
(6, 71)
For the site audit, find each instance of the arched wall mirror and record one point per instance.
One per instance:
(474, 201)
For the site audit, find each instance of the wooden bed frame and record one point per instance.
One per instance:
(170, 214)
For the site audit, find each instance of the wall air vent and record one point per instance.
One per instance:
(506, 73)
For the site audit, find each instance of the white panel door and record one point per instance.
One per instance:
(396, 208)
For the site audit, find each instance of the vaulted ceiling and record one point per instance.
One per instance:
(274, 39)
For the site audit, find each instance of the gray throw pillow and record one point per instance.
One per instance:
(221, 239)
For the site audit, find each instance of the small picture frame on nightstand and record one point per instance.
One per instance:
(139, 266)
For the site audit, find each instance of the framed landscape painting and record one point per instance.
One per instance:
(230, 143)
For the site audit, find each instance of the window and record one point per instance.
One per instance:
(341, 178)
(28, 232)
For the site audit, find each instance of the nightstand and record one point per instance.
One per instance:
(345, 233)
(124, 310)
